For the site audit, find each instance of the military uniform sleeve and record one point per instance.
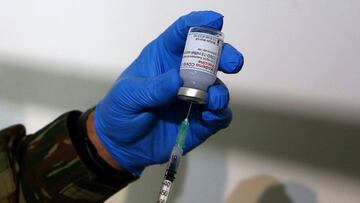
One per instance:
(9, 167)
(59, 164)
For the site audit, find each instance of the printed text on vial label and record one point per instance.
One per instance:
(201, 53)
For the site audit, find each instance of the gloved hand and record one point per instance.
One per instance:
(138, 120)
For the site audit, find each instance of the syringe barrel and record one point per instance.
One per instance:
(165, 191)
(171, 170)
(173, 163)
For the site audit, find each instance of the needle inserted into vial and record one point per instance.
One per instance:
(174, 160)
(198, 69)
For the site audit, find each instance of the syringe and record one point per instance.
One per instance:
(174, 160)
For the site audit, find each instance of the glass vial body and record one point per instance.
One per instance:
(200, 63)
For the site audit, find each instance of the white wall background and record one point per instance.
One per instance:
(300, 85)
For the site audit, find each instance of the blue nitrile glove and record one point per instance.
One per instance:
(138, 119)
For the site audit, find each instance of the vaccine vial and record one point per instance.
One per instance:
(200, 63)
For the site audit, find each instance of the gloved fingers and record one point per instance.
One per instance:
(158, 91)
(174, 37)
(218, 120)
(218, 96)
(231, 60)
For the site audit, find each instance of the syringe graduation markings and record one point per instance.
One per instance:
(174, 160)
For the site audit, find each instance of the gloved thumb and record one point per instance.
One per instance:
(153, 92)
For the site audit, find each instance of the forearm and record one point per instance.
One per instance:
(101, 150)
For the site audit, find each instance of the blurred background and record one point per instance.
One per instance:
(296, 129)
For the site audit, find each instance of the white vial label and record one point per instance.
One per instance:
(201, 52)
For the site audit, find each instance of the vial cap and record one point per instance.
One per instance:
(192, 95)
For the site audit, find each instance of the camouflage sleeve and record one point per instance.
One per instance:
(56, 164)
(9, 168)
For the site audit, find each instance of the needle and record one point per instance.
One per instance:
(188, 113)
